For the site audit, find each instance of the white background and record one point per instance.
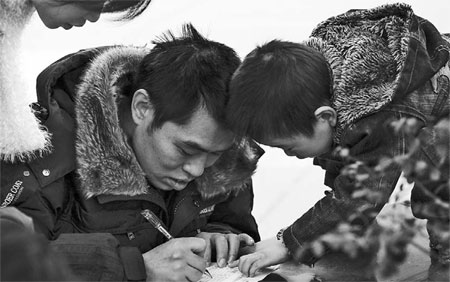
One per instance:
(284, 187)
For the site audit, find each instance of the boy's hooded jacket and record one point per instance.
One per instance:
(386, 63)
(92, 182)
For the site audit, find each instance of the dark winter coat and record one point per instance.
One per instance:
(92, 182)
(387, 63)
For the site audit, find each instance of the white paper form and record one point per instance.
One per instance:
(227, 274)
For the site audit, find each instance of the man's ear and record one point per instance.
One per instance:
(326, 113)
(141, 107)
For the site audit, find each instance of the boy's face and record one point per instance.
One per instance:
(174, 155)
(302, 146)
(66, 14)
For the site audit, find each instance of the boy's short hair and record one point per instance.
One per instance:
(276, 90)
(183, 74)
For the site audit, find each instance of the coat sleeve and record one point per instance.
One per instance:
(367, 141)
(25, 254)
(235, 214)
(96, 256)
(20, 189)
(99, 257)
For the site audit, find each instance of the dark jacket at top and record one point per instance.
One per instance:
(95, 184)
(387, 63)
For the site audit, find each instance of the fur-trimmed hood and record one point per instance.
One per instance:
(106, 162)
(22, 138)
(367, 51)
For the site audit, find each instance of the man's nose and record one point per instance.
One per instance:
(195, 166)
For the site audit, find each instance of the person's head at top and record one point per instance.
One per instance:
(281, 96)
(69, 13)
(176, 108)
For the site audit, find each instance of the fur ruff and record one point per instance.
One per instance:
(366, 51)
(22, 137)
(106, 162)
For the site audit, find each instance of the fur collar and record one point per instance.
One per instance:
(366, 51)
(15, 14)
(22, 138)
(107, 164)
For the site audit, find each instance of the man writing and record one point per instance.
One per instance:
(147, 137)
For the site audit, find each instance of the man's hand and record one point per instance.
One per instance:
(176, 260)
(268, 252)
(226, 246)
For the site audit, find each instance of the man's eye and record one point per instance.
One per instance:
(184, 152)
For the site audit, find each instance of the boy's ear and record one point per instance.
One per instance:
(326, 113)
(141, 107)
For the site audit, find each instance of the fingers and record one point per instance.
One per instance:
(249, 264)
(197, 266)
(195, 262)
(246, 239)
(235, 243)
(207, 253)
(233, 263)
(245, 262)
(256, 265)
(221, 244)
(226, 246)
(176, 260)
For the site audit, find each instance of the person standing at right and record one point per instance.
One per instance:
(341, 89)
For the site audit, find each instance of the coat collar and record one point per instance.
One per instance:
(107, 164)
(366, 51)
(23, 138)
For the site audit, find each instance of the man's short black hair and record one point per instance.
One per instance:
(183, 74)
(277, 89)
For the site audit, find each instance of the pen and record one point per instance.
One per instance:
(156, 222)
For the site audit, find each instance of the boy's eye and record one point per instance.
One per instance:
(217, 154)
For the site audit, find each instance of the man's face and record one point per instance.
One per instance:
(174, 155)
(66, 14)
(302, 146)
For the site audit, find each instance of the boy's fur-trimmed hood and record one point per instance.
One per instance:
(106, 162)
(366, 51)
